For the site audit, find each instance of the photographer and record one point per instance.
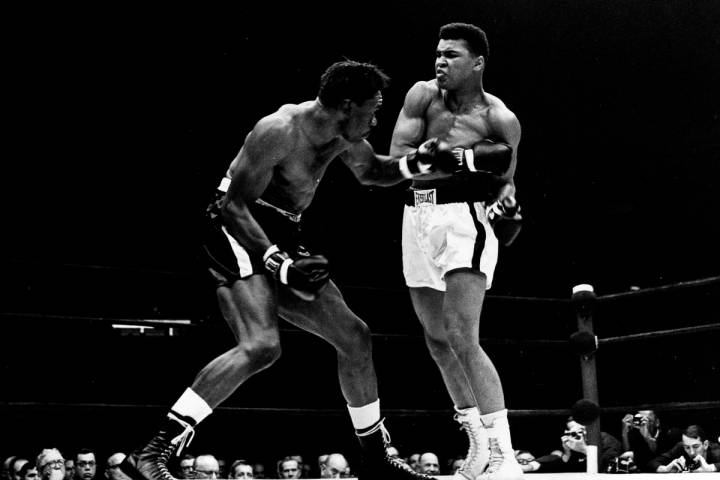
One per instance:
(693, 454)
(643, 438)
(573, 455)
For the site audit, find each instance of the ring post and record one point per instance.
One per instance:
(585, 344)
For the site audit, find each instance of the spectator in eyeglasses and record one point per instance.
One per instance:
(206, 466)
(85, 464)
(50, 464)
(524, 458)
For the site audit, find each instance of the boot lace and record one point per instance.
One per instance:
(396, 463)
(472, 432)
(183, 440)
(496, 456)
(165, 450)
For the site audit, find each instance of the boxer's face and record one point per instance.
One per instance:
(454, 63)
(361, 118)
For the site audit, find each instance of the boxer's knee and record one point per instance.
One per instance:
(439, 348)
(262, 351)
(355, 340)
(462, 344)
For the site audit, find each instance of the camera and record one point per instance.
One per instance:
(691, 465)
(575, 434)
(638, 420)
(621, 465)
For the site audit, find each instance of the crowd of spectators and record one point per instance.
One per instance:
(644, 446)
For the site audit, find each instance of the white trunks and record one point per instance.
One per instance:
(442, 235)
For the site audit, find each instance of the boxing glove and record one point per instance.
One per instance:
(505, 219)
(420, 161)
(485, 156)
(305, 276)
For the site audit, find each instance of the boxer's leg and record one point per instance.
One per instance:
(330, 318)
(429, 307)
(249, 310)
(464, 297)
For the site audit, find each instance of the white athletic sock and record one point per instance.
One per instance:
(192, 405)
(498, 427)
(467, 410)
(365, 416)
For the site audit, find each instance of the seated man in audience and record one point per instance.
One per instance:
(29, 471)
(85, 464)
(572, 458)
(69, 468)
(694, 453)
(335, 466)
(289, 467)
(259, 470)
(206, 466)
(643, 438)
(429, 464)
(414, 461)
(15, 467)
(241, 469)
(455, 464)
(186, 466)
(524, 458)
(51, 464)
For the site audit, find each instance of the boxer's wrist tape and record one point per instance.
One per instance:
(284, 271)
(403, 166)
(271, 249)
(277, 262)
(469, 156)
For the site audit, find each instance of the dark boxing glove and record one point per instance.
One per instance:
(485, 156)
(505, 219)
(305, 276)
(420, 161)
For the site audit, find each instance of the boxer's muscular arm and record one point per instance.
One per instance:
(506, 129)
(405, 161)
(373, 169)
(253, 168)
(409, 129)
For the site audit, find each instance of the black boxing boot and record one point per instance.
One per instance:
(376, 463)
(151, 461)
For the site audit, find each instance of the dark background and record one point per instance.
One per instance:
(120, 122)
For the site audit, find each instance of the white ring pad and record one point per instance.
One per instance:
(583, 287)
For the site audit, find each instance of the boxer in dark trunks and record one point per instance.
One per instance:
(263, 272)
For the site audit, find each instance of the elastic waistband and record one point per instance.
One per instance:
(295, 217)
(224, 185)
(437, 196)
